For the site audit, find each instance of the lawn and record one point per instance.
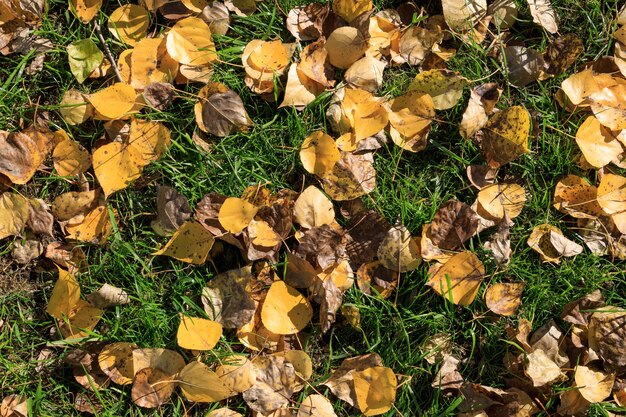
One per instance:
(410, 188)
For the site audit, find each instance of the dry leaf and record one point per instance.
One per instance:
(305, 22)
(198, 383)
(285, 310)
(544, 15)
(150, 62)
(300, 90)
(597, 143)
(226, 300)
(190, 42)
(113, 102)
(316, 406)
(366, 74)
(313, 208)
(172, 211)
(235, 214)
(499, 200)
(217, 16)
(504, 298)
(191, 243)
(116, 361)
(73, 203)
(95, 227)
(345, 46)
(481, 104)
(70, 158)
(129, 23)
(319, 153)
(341, 382)
(612, 199)
(444, 87)
(459, 278)
(524, 65)
(86, 10)
(573, 195)
(594, 386)
(116, 165)
(561, 53)
(399, 251)
(375, 390)
(500, 243)
(551, 244)
(454, 223)
(541, 369)
(21, 154)
(410, 115)
(223, 113)
(237, 373)
(14, 214)
(462, 15)
(276, 378)
(366, 230)
(108, 296)
(152, 388)
(14, 405)
(349, 10)
(505, 136)
(607, 333)
(578, 87)
(352, 177)
(74, 107)
(196, 333)
(224, 412)
(608, 105)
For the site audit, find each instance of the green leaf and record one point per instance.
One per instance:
(84, 57)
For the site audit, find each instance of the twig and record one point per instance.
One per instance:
(96, 26)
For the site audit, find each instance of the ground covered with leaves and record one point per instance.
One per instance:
(283, 208)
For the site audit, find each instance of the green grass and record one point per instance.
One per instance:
(410, 188)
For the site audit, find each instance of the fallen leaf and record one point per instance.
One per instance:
(562, 52)
(21, 154)
(462, 15)
(374, 276)
(306, 22)
(544, 15)
(524, 65)
(113, 102)
(499, 200)
(285, 310)
(608, 106)
(95, 227)
(172, 210)
(349, 10)
(150, 62)
(597, 143)
(504, 298)
(352, 177)
(116, 165)
(191, 243)
(226, 300)
(399, 251)
(454, 223)
(573, 195)
(341, 382)
(319, 153)
(505, 136)
(607, 333)
(84, 57)
(444, 87)
(14, 214)
(86, 10)
(108, 296)
(198, 383)
(481, 104)
(152, 387)
(300, 90)
(224, 412)
(572, 403)
(316, 405)
(411, 115)
(541, 369)
(237, 373)
(149, 139)
(274, 384)
(551, 244)
(500, 243)
(190, 42)
(366, 74)
(579, 86)
(235, 214)
(375, 390)
(313, 208)
(14, 405)
(116, 361)
(481, 176)
(595, 386)
(345, 46)
(612, 199)
(75, 107)
(366, 231)
(129, 23)
(159, 95)
(459, 279)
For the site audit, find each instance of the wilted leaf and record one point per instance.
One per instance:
(505, 136)
(462, 15)
(341, 382)
(305, 22)
(352, 177)
(500, 243)
(562, 53)
(375, 390)
(152, 387)
(524, 65)
(70, 158)
(172, 210)
(113, 102)
(235, 214)
(366, 231)
(551, 244)
(498, 200)
(274, 385)
(149, 139)
(116, 361)
(411, 115)
(198, 383)
(224, 113)
(84, 57)
(444, 87)
(504, 298)
(150, 62)
(285, 310)
(21, 153)
(573, 195)
(14, 214)
(459, 278)
(607, 336)
(345, 46)
(95, 227)
(226, 300)
(544, 15)
(399, 251)
(300, 90)
(454, 223)
(129, 23)
(597, 143)
(191, 243)
(224, 412)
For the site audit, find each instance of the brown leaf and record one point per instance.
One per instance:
(108, 296)
(152, 388)
(224, 113)
(399, 251)
(21, 154)
(481, 104)
(314, 64)
(524, 65)
(321, 246)
(448, 377)
(207, 212)
(330, 297)
(300, 273)
(579, 311)
(341, 382)
(561, 53)
(551, 244)
(454, 223)
(172, 210)
(365, 232)
(461, 16)
(217, 16)
(542, 370)
(306, 22)
(607, 336)
(226, 300)
(594, 385)
(504, 298)
(159, 95)
(352, 177)
(373, 275)
(500, 243)
(14, 405)
(274, 384)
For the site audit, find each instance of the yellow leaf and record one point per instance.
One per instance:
(444, 87)
(86, 10)
(345, 46)
(551, 244)
(597, 143)
(285, 310)
(609, 106)
(316, 406)
(94, 227)
(116, 165)
(116, 361)
(113, 102)
(459, 278)
(14, 213)
(168, 361)
(319, 153)
(462, 15)
(65, 296)
(506, 136)
(224, 412)
(301, 362)
(150, 140)
(411, 113)
(150, 62)
(197, 333)
(578, 87)
(70, 158)
(200, 384)
(73, 203)
(313, 208)
(612, 199)
(504, 298)
(349, 10)
(191, 243)
(235, 214)
(364, 113)
(399, 251)
(375, 390)
(498, 200)
(190, 42)
(261, 234)
(129, 23)
(74, 107)
(576, 197)
(366, 74)
(237, 373)
(152, 387)
(82, 320)
(595, 386)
